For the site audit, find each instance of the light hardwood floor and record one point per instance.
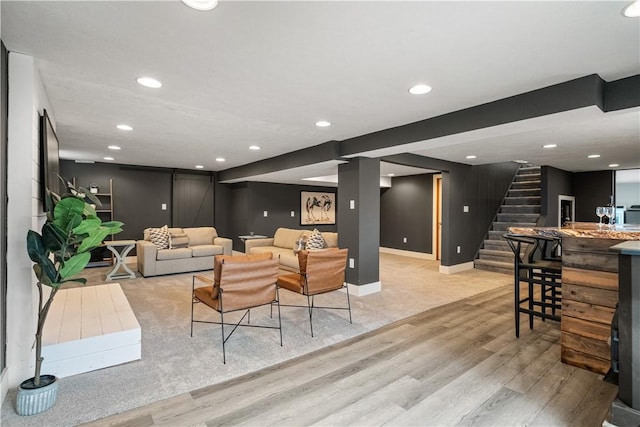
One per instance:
(458, 364)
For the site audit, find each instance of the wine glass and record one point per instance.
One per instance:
(600, 213)
(609, 212)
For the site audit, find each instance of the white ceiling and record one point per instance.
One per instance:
(264, 72)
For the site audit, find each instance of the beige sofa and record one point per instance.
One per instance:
(281, 244)
(197, 251)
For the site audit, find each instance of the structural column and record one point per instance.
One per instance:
(359, 222)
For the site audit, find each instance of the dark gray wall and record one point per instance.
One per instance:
(193, 200)
(406, 210)
(592, 189)
(554, 182)
(249, 200)
(4, 108)
(138, 193)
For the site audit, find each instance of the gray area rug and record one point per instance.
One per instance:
(174, 363)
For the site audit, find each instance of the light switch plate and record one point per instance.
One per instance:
(293, 213)
(164, 206)
(352, 263)
(265, 214)
(465, 208)
(352, 204)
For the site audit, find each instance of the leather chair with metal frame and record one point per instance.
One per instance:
(536, 263)
(239, 283)
(320, 272)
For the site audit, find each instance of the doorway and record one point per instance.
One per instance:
(437, 216)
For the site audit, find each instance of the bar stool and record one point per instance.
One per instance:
(539, 265)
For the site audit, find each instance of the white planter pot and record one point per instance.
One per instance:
(31, 401)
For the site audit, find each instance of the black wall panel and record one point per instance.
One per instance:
(406, 210)
(193, 198)
(554, 182)
(138, 193)
(592, 189)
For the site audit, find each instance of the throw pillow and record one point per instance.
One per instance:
(179, 241)
(159, 237)
(315, 241)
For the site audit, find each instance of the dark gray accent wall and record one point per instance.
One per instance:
(359, 228)
(4, 108)
(193, 200)
(554, 182)
(138, 193)
(592, 189)
(406, 210)
(249, 200)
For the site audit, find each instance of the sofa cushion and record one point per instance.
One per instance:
(175, 231)
(201, 235)
(286, 237)
(158, 236)
(315, 241)
(205, 250)
(166, 254)
(330, 239)
(178, 241)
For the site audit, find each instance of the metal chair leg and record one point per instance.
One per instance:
(349, 303)
(279, 319)
(310, 305)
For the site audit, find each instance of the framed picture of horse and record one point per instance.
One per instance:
(317, 208)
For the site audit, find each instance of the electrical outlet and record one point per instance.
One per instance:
(352, 263)
(458, 249)
(404, 239)
(265, 214)
(293, 213)
(352, 204)
(465, 208)
(164, 206)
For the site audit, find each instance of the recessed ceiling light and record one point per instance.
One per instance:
(420, 89)
(391, 174)
(109, 158)
(522, 162)
(550, 146)
(593, 156)
(124, 127)
(254, 147)
(323, 124)
(471, 157)
(220, 159)
(199, 167)
(149, 82)
(201, 4)
(114, 147)
(632, 10)
(614, 165)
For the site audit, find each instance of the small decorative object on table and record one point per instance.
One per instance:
(93, 189)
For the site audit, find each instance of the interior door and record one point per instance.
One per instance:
(437, 215)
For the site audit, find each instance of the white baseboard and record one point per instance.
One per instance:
(452, 269)
(413, 254)
(367, 289)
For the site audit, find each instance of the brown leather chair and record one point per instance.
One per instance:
(239, 283)
(320, 272)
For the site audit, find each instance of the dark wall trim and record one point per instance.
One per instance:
(621, 94)
(4, 109)
(578, 93)
(307, 156)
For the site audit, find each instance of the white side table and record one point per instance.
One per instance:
(252, 236)
(120, 249)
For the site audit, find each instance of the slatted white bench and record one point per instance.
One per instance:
(89, 328)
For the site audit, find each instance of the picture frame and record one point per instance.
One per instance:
(317, 208)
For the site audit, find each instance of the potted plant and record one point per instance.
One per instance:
(61, 251)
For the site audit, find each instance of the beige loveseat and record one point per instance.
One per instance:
(282, 243)
(195, 251)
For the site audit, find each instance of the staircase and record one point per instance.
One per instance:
(520, 208)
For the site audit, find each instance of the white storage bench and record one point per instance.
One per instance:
(89, 328)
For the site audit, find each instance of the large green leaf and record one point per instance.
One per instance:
(35, 246)
(75, 265)
(48, 273)
(87, 226)
(41, 278)
(93, 240)
(53, 237)
(113, 224)
(67, 210)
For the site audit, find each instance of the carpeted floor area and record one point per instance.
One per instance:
(173, 362)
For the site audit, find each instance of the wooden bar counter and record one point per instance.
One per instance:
(589, 289)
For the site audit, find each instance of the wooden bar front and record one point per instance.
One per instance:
(589, 298)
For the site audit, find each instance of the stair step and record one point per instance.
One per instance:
(525, 184)
(527, 177)
(504, 226)
(527, 170)
(533, 200)
(525, 209)
(518, 217)
(523, 192)
(493, 255)
(496, 234)
(495, 266)
(496, 245)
